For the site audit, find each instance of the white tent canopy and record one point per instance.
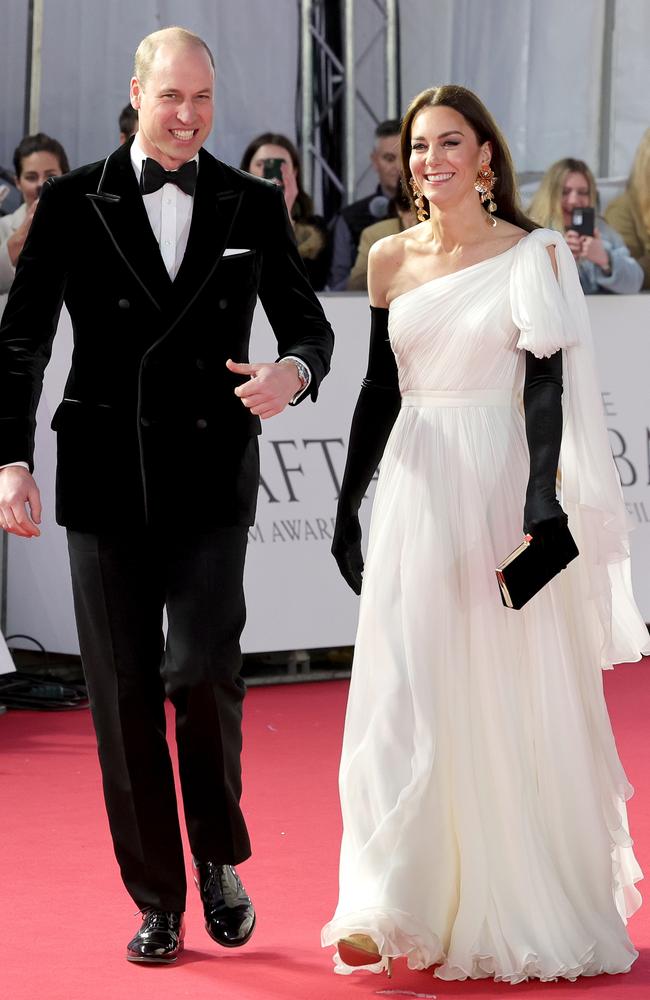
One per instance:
(561, 78)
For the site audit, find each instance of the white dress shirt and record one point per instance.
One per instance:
(170, 214)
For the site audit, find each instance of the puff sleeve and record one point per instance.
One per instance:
(551, 315)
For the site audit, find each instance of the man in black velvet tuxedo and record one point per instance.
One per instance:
(159, 253)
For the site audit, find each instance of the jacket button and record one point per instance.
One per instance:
(223, 303)
(124, 304)
(200, 364)
(201, 424)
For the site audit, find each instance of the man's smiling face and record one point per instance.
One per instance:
(175, 102)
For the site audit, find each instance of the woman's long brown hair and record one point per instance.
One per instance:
(486, 129)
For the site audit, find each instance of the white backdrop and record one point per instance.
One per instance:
(296, 597)
(87, 62)
(537, 65)
(630, 111)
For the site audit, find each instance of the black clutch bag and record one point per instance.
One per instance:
(534, 563)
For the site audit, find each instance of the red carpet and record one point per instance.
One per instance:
(66, 919)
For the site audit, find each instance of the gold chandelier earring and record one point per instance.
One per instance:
(418, 198)
(484, 183)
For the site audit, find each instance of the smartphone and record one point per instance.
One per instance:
(272, 170)
(582, 220)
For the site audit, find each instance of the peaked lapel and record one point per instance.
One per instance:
(216, 203)
(120, 207)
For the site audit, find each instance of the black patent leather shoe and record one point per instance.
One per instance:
(229, 913)
(160, 938)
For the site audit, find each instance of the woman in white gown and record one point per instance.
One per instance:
(483, 801)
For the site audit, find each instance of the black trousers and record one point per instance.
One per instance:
(121, 583)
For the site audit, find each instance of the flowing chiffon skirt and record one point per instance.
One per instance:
(483, 800)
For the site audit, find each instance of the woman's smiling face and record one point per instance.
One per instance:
(575, 194)
(445, 155)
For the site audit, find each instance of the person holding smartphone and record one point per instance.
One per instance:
(273, 156)
(567, 200)
(36, 158)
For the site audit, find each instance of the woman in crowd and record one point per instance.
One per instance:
(483, 801)
(604, 262)
(630, 212)
(36, 158)
(310, 229)
(401, 217)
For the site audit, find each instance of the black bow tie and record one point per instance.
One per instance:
(153, 176)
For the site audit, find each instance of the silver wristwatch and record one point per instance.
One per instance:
(304, 374)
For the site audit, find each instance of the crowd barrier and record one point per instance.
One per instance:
(295, 595)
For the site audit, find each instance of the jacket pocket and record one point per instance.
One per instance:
(237, 256)
(76, 408)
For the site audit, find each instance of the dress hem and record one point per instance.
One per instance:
(398, 935)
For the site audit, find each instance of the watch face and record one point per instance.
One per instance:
(303, 372)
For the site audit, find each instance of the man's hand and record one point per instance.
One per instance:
(269, 388)
(17, 490)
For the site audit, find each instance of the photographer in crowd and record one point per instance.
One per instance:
(401, 217)
(567, 200)
(274, 156)
(36, 158)
(353, 219)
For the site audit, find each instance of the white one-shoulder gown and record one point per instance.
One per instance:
(483, 800)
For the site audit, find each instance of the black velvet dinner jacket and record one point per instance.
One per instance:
(149, 424)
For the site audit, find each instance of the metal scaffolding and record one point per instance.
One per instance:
(33, 66)
(332, 55)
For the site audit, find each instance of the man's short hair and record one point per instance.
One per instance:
(128, 121)
(146, 50)
(39, 143)
(391, 126)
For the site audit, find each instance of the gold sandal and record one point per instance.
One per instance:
(360, 949)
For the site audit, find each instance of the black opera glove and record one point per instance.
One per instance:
(374, 415)
(543, 414)
(346, 549)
